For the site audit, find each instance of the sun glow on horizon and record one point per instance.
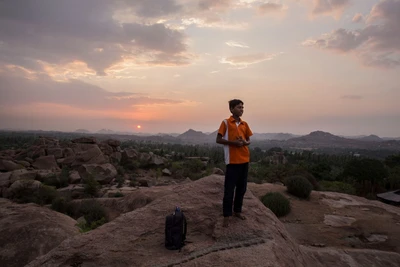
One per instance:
(139, 126)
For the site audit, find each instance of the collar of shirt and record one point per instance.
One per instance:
(232, 119)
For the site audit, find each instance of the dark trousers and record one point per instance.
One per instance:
(235, 185)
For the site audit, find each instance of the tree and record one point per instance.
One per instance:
(367, 173)
(393, 160)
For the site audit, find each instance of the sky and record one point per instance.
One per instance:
(172, 65)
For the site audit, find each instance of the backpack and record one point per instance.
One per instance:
(175, 230)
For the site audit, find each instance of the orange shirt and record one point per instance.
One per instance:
(231, 131)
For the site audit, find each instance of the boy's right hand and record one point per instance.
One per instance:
(239, 142)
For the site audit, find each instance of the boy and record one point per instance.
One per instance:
(234, 134)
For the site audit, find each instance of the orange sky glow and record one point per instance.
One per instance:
(172, 65)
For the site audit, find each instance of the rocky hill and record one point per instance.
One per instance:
(136, 237)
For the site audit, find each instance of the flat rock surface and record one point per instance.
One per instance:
(356, 222)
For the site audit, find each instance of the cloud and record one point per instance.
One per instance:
(333, 8)
(236, 44)
(215, 4)
(341, 40)
(73, 93)
(60, 32)
(244, 61)
(155, 8)
(351, 97)
(329, 6)
(358, 18)
(268, 8)
(214, 21)
(376, 45)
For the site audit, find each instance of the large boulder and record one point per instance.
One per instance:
(151, 159)
(68, 152)
(106, 149)
(5, 179)
(46, 141)
(43, 175)
(74, 177)
(72, 191)
(28, 231)
(23, 174)
(8, 165)
(112, 142)
(88, 154)
(137, 237)
(116, 157)
(103, 173)
(4, 182)
(129, 155)
(46, 163)
(36, 152)
(22, 189)
(57, 152)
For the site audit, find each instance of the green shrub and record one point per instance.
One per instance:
(258, 172)
(298, 186)
(91, 186)
(28, 193)
(120, 181)
(92, 211)
(85, 227)
(63, 177)
(176, 166)
(277, 203)
(120, 170)
(56, 181)
(299, 171)
(45, 195)
(337, 186)
(95, 215)
(63, 205)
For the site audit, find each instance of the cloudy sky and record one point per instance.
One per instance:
(171, 65)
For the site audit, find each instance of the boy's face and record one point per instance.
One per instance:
(237, 110)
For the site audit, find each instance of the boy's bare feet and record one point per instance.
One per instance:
(225, 223)
(239, 215)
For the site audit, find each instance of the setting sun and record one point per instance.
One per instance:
(139, 126)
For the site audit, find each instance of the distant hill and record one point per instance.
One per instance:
(81, 131)
(193, 136)
(370, 138)
(321, 138)
(106, 131)
(272, 136)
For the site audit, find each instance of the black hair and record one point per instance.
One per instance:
(234, 102)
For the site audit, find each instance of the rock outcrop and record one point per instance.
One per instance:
(84, 157)
(136, 238)
(28, 231)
